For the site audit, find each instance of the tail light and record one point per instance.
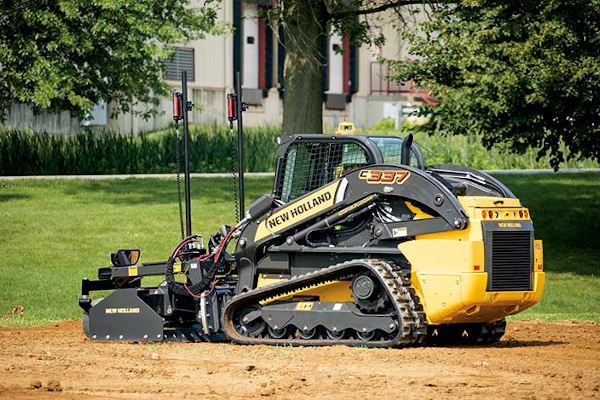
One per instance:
(504, 214)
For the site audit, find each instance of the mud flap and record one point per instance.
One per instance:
(124, 316)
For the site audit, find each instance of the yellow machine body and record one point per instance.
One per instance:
(448, 268)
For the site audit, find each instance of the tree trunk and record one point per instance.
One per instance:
(305, 31)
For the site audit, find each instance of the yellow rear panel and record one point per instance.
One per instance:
(448, 267)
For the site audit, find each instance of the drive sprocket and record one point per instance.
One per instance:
(369, 296)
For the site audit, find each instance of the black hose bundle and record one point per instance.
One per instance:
(197, 289)
(348, 218)
(208, 279)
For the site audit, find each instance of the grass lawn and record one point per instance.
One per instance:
(52, 233)
(565, 209)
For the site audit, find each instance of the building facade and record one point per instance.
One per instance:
(356, 88)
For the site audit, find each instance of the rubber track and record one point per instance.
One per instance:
(412, 323)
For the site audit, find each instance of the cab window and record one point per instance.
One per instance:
(308, 166)
(391, 150)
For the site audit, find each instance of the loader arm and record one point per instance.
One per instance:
(285, 229)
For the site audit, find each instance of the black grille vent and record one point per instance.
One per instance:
(512, 261)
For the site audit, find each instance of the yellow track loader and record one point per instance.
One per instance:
(359, 243)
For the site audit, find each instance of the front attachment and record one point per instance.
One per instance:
(123, 316)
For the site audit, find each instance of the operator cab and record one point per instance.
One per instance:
(308, 162)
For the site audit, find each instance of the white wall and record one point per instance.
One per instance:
(20, 116)
(336, 65)
(250, 46)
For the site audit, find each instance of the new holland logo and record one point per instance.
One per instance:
(509, 225)
(298, 210)
(130, 310)
(384, 176)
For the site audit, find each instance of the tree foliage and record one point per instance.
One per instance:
(69, 54)
(526, 73)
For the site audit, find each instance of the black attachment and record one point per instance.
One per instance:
(406, 145)
(187, 106)
(123, 316)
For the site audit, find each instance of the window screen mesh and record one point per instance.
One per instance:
(308, 166)
(181, 60)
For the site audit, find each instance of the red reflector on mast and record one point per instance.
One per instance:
(177, 109)
(231, 114)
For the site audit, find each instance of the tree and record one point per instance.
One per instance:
(523, 73)
(306, 24)
(69, 54)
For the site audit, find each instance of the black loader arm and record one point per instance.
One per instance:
(410, 184)
(351, 193)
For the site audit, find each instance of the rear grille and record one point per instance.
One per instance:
(512, 261)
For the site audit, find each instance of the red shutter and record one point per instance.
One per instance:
(346, 65)
(262, 33)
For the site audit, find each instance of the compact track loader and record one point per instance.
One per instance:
(359, 243)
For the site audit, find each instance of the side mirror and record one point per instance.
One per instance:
(125, 258)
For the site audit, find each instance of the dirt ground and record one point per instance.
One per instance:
(534, 360)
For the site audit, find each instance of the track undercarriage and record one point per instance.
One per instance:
(399, 320)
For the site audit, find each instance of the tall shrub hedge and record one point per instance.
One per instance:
(27, 153)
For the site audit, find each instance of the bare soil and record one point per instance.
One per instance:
(534, 360)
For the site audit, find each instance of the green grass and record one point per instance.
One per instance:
(52, 233)
(565, 209)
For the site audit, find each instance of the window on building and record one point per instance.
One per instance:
(181, 60)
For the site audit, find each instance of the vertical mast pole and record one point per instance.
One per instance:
(186, 150)
(240, 108)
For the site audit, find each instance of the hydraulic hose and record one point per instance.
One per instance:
(348, 218)
(185, 290)
(208, 278)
